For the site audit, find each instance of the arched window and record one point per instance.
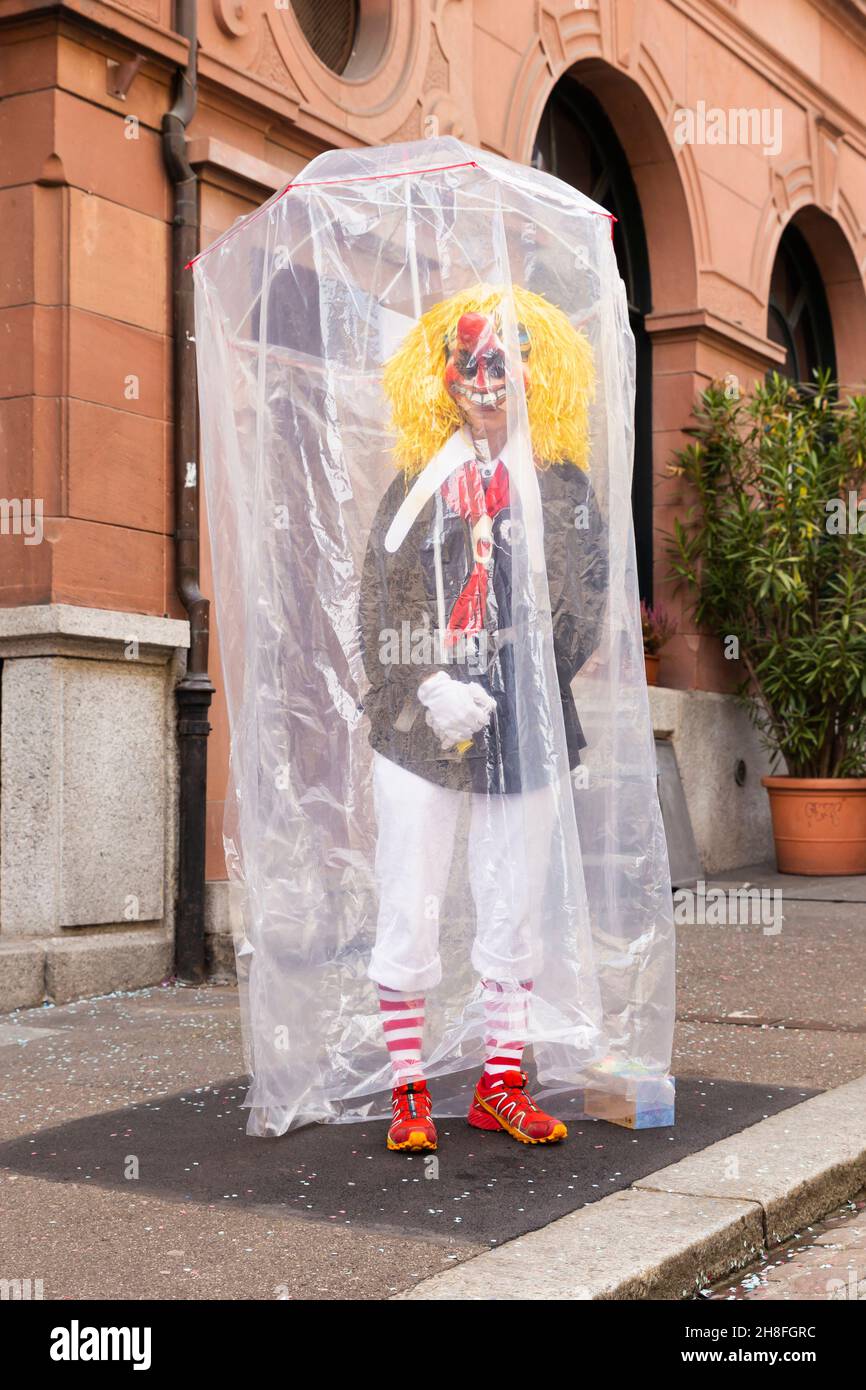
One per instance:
(798, 317)
(578, 144)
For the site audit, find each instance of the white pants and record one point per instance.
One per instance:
(508, 851)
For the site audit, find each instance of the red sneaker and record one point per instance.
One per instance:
(412, 1126)
(501, 1102)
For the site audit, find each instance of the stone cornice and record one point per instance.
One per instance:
(719, 332)
(142, 34)
(217, 155)
(64, 629)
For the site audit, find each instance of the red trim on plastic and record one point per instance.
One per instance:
(360, 178)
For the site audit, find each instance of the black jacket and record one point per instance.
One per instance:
(398, 620)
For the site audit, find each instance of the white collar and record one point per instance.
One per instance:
(456, 451)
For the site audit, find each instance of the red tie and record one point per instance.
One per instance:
(465, 495)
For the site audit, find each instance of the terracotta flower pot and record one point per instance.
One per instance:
(819, 824)
(652, 668)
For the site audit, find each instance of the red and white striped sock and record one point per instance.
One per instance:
(403, 1022)
(506, 1018)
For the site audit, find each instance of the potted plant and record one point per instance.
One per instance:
(657, 628)
(774, 553)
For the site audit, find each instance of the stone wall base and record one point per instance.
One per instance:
(88, 801)
(712, 735)
(56, 970)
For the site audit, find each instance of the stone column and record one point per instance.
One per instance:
(87, 800)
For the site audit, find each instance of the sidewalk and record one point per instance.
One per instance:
(126, 1171)
(785, 1009)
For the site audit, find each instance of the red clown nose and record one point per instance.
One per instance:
(469, 329)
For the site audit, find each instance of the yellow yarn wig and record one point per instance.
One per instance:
(561, 373)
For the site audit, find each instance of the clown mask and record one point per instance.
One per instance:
(476, 371)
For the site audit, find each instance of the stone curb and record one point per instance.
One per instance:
(686, 1225)
(627, 1246)
(796, 1165)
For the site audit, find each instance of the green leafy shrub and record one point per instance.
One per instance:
(773, 552)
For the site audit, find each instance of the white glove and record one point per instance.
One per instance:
(455, 709)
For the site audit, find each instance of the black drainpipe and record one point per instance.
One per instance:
(195, 689)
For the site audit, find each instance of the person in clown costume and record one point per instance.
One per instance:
(442, 708)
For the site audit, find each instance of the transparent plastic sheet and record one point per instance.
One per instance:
(355, 842)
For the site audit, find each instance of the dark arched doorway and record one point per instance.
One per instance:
(578, 144)
(798, 316)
